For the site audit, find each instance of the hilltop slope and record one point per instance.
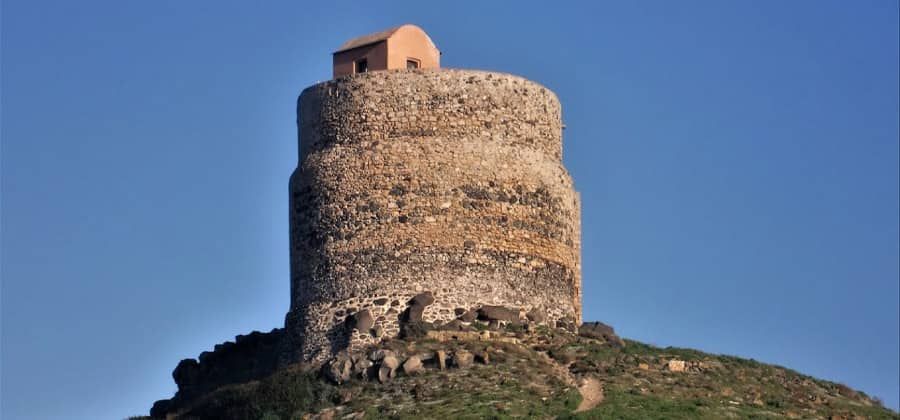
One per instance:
(540, 373)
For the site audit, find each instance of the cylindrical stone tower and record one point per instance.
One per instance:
(442, 181)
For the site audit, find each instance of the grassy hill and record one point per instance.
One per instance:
(547, 373)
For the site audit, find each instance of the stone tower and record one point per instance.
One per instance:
(446, 186)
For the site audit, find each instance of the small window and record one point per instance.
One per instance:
(412, 63)
(362, 66)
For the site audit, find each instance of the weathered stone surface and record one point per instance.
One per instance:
(469, 316)
(444, 181)
(422, 299)
(363, 320)
(362, 368)
(388, 367)
(441, 357)
(675, 366)
(385, 374)
(390, 361)
(338, 370)
(445, 335)
(379, 354)
(462, 359)
(414, 313)
(536, 315)
(413, 365)
(498, 313)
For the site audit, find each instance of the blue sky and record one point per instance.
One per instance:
(737, 161)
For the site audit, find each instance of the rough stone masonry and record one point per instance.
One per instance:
(443, 186)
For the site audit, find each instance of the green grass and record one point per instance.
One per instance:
(520, 383)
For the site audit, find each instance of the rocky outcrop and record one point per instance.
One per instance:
(600, 331)
(248, 357)
(413, 365)
(535, 378)
(362, 321)
(462, 359)
(498, 313)
(253, 356)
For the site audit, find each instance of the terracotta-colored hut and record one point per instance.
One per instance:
(403, 47)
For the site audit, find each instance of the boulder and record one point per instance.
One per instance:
(160, 409)
(187, 373)
(385, 374)
(207, 355)
(417, 306)
(362, 320)
(595, 330)
(362, 368)
(462, 359)
(536, 315)
(413, 365)
(414, 313)
(600, 331)
(390, 361)
(469, 316)
(422, 299)
(339, 369)
(388, 368)
(498, 313)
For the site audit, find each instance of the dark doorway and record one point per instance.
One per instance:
(362, 66)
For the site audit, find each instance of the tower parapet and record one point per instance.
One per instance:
(446, 182)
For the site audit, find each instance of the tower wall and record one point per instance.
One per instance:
(441, 181)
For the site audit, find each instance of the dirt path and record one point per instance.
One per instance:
(562, 372)
(591, 394)
(590, 389)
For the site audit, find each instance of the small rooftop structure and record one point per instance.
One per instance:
(402, 47)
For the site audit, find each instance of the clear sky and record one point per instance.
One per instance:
(737, 161)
